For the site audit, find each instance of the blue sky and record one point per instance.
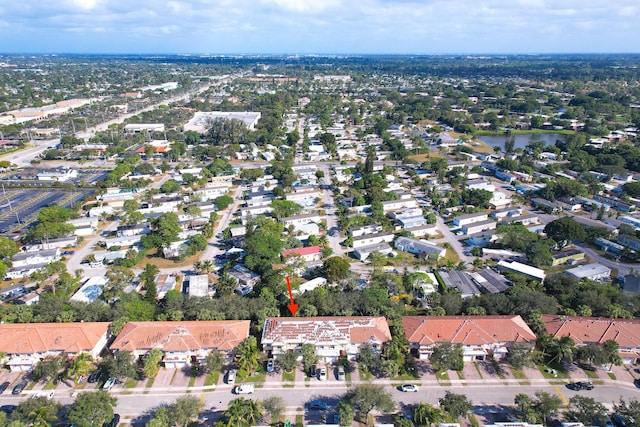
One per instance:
(319, 26)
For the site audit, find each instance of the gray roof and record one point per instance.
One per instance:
(461, 281)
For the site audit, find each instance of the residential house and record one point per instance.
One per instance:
(365, 229)
(507, 213)
(199, 286)
(421, 248)
(332, 337)
(524, 269)
(481, 337)
(480, 184)
(300, 220)
(308, 254)
(246, 278)
(570, 256)
(26, 344)
(527, 219)
(594, 271)
(310, 285)
(479, 227)
(182, 343)
(461, 281)
(363, 252)
(593, 330)
(372, 239)
(467, 219)
(608, 245)
(490, 281)
(423, 230)
(24, 264)
(392, 205)
(631, 242)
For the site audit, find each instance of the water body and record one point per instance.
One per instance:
(521, 140)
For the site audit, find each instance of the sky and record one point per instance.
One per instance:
(319, 26)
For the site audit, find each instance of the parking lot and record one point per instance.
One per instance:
(20, 207)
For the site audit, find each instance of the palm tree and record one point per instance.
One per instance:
(611, 350)
(248, 355)
(424, 414)
(197, 266)
(243, 412)
(563, 348)
(207, 266)
(80, 366)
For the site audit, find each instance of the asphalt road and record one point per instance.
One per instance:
(483, 396)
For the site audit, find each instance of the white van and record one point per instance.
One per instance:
(244, 389)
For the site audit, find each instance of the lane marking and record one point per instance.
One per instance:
(562, 396)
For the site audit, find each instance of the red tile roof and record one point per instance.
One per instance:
(29, 338)
(339, 330)
(222, 335)
(585, 330)
(303, 251)
(477, 330)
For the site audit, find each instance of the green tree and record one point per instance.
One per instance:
(630, 411)
(118, 278)
(525, 407)
(565, 230)
(367, 397)
(285, 208)
(520, 354)
(585, 410)
(48, 368)
(222, 202)
(346, 413)
(456, 405)
(309, 356)
(425, 414)
(368, 359)
(288, 360)
(336, 269)
(37, 412)
(184, 410)
(242, 412)
(274, 407)
(8, 248)
(119, 366)
(152, 363)
(546, 404)
(148, 277)
(446, 355)
(92, 409)
(214, 361)
(248, 355)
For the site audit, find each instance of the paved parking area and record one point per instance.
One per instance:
(163, 379)
(533, 373)
(181, 378)
(470, 372)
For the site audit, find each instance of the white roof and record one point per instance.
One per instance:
(589, 270)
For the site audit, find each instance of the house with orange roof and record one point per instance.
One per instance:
(182, 343)
(26, 344)
(479, 336)
(332, 337)
(595, 330)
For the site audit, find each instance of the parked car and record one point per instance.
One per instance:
(4, 386)
(581, 385)
(109, 383)
(8, 409)
(270, 365)
(231, 376)
(313, 371)
(341, 375)
(409, 387)
(244, 389)
(19, 387)
(94, 377)
(618, 421)
(322, 375)
(318, 404)
(114, 421)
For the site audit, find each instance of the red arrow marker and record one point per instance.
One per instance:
(293, 307)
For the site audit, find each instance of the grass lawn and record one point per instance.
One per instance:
(299, 420)
(192, 381)
(473, 420)
(175, 371)
(443, 376)
(150, 383)
(130, 383)
(550, 375)
(167, 263)
(451, 255)
(519, 374)
(590, 374)
(289, 376)
(212, 379)
(612, 375)
(460, 375)
(257, 377)
(421, 158)
(50, 385)
(364, 374)
(526, 132)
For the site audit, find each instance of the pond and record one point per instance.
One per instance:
(521, 140)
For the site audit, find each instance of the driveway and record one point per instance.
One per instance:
(453, 241)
